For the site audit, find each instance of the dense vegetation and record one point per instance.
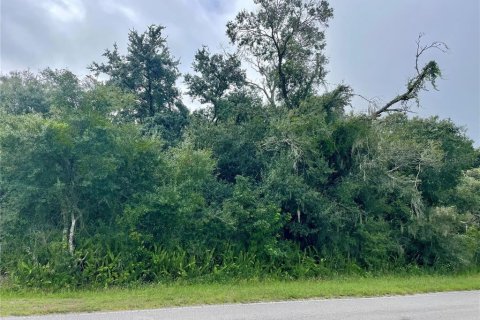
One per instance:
(116, 181)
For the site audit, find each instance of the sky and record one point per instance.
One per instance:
(370, 43)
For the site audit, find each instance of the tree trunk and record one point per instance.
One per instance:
(65, 234)
(283, 82)
(71, 245)
(151, 108)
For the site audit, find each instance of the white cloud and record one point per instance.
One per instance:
(65, 10)
(111, 6)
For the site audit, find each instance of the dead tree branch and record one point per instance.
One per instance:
(442, 46)
(428, 74)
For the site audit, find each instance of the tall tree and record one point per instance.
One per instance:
(149, 71)
(216, 75)
(284, 40)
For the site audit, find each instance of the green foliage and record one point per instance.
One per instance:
(149, 72)
(113, 183)
(234, 139)
(284, 41)
(217, 75)
(62, 176)
(23, 92)
(442, 238)
(254, 224)
(467, 196)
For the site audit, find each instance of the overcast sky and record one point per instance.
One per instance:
(370, 43)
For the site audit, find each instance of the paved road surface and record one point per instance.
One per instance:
(462, 305)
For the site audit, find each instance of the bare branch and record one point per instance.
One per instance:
(373, 103)
(429, 73)
(439, 45)
(263, 89)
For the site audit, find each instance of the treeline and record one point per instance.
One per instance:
(115, 182)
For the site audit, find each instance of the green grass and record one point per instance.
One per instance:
(181, 294)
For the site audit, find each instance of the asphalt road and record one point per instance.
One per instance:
(461, 305)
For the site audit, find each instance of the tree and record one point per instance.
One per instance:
(74, 168)
(173, 214)
(241, 125)
(284, 40)
(430, 153)
(23, 92)
(45, 93)
(467, 197)
(217, 75)
(150, 72)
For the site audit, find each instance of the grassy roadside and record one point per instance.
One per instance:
(178, 294)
